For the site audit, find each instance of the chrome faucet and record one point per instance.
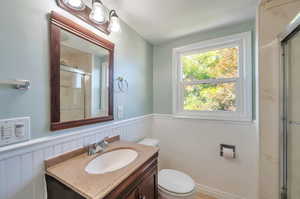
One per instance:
(98, 147)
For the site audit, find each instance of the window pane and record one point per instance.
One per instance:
(210, 97)
(221, 63)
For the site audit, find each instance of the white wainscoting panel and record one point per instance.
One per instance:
(186, 144)
(193, 146)
(22, 165)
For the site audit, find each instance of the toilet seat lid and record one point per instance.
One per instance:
(175, 181)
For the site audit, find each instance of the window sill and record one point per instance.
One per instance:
(245, 119)
(204, 121)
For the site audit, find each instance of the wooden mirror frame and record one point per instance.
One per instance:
(58, 23)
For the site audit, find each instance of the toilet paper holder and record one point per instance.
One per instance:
(227, 146)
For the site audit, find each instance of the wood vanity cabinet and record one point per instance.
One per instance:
(142, 184)
(146, 189)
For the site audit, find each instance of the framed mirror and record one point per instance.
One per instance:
(81, 75)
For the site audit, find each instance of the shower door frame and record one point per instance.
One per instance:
(292, 29)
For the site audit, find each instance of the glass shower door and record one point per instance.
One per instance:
(292, 117)
(72, 94)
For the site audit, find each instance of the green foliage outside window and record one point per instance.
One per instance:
(221, 63)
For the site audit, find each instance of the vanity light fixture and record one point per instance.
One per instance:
(95, 14)
(98, 13)
(114, 23)
(75, 4)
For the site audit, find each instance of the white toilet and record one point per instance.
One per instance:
(172, 184)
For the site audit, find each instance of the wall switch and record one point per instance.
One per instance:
(20, 129)
(120, 111)
(14, 130)
(7, 131)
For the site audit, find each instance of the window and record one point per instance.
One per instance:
(213, 79)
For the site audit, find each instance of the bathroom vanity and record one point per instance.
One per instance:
(67, 175)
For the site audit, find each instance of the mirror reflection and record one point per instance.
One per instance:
(83, 78)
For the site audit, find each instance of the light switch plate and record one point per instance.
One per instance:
(14, 130)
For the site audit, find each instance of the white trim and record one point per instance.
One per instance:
(244, 82)
(93, 101)
(105, 88)
(157, 116)
(211, 81)
(290, 27)
(39, 143)
(257, 97)
(102, 108)
(215, 192)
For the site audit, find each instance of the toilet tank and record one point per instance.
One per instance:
(149, 142)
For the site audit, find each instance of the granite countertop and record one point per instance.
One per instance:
(70, 170)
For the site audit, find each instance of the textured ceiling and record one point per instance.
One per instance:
(162, 20)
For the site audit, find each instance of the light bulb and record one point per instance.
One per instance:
(114, 23)
(75, 4)
(98, 13)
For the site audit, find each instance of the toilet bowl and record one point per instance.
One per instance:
(172, 184)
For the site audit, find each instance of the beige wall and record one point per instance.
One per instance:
(76, 58)
(294, 116)
(273, 17)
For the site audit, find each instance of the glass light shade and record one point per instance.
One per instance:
(114, 25)
(98, 13)
(75, 4)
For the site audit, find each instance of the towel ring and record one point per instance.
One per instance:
(122, 84)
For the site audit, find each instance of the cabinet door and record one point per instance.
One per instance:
(148, 187)
(133, 195)
(57, 190)
(141, 184)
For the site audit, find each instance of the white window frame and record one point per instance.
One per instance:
(243, 82)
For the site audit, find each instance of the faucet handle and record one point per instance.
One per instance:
(98, 148)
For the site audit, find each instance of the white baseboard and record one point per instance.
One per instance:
(215, 192)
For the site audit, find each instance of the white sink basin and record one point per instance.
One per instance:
(111, 161)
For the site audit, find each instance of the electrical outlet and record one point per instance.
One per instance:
(14, 130)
